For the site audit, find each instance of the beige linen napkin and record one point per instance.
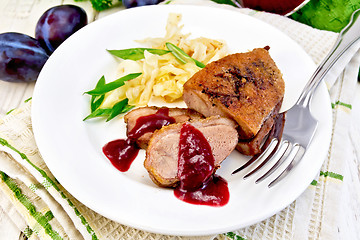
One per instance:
(40, 207)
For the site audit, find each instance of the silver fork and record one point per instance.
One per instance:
(300, 126)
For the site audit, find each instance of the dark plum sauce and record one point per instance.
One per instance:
(151, 122)
(213, 192)
(196, 163)
(122, 152)
(274, 6)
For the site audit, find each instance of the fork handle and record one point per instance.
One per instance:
(347, 37)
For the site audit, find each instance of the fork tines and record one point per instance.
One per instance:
(274, 147)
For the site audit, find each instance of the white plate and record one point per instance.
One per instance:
(72, 148)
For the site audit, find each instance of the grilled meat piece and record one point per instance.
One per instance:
(162, 153)
(252, 146)
(179, 115)
(245, 87)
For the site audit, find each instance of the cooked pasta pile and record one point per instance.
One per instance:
(163, 76)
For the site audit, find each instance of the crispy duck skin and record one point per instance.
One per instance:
(179, 114)
(162, 153)
(245, 87)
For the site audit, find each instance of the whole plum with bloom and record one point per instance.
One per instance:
(57, 24)
(138, 3)
(21, 57)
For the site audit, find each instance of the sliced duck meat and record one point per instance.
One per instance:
(162, 154)
(245, 87)
(142, 122)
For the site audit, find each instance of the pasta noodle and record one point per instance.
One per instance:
(163, 75)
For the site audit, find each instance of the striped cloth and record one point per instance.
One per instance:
(41, 208)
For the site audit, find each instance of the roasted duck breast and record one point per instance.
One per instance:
(252, 146)
(246, 87)
(163, 150)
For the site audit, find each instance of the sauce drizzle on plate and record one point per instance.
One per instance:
(198, 185)
(122, 152)
(151, 122)
(196, 163)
